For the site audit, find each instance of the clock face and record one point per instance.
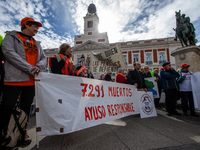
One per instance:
(90, 24)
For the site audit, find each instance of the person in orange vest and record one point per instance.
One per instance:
(24, 58)
(62, 63)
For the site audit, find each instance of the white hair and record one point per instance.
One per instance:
(120, 69)
(146, 66)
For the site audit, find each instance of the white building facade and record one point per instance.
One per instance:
(152, 52)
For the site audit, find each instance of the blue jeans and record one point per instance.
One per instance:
(185, 96)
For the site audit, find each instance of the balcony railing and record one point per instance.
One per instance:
(162, 61)
(148, 62)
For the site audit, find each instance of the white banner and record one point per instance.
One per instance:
(146, 104)
(107, 61)
(67, 104)
(152, 86)
(195, 81)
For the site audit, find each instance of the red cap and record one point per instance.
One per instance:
(184, 65)
(24, 20)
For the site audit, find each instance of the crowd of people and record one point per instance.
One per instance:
(23, 58)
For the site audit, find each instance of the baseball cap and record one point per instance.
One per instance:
(24, 20)
(184, 65)
(166, 63)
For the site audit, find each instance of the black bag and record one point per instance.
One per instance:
(14, 134)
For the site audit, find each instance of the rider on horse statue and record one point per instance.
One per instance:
(184, 30)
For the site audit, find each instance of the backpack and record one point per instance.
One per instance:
(13, 135)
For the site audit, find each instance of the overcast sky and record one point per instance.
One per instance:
(123, 20)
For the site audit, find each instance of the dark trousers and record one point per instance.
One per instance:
(10, 96)
(157, 100)
(170, 100)
(185, 96)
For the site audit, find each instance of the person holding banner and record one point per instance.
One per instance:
(121, 78)
(147, 73)
(135, 77)
(24, 58)
(186, 90)
(171, 87)
(62, 63)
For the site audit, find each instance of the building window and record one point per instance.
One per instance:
(162, 58)
(148, 59)
(79, 42)
(125, 59)
(90, 24)
(135, 58)
(89, 33)
(101, 40)
(79, 36)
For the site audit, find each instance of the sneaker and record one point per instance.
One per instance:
(185, 113)
(194, 114)
(27, 139)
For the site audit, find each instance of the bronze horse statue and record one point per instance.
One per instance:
(184, 30)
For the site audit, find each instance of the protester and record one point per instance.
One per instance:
(135, 77)
(89, 74)
(62, 63)
(186, 90)
(146, 72)
(159, 82)
(102, 77)
(121, 78)
(24, 58)
(170, 86)
(108, 77)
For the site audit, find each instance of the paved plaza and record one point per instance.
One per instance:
(132, 132)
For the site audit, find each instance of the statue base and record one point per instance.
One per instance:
(187, 55)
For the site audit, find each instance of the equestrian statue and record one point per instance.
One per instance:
(184, 30)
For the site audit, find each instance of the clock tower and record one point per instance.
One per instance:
(91, 31)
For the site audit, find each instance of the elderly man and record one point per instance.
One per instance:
(136, 78)
(170, 86)
(121, 78)
(147, 73)
(186, 90)
(24, 58)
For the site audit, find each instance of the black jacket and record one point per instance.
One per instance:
(135, 76)
(108, 77)
(148, 75)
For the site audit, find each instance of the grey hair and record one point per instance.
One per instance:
(120, 69)
(146, 66)
(62, 49)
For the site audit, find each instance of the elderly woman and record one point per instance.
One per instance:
(62, 63)
(121, 78)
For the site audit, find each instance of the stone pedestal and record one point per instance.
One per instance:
(187, 55)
